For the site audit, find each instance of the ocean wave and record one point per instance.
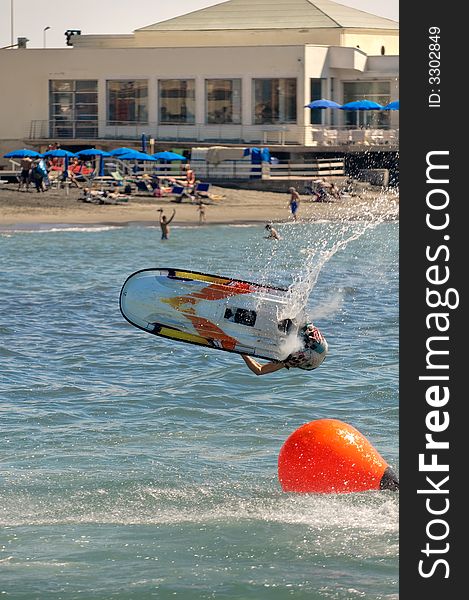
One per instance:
(45, 228)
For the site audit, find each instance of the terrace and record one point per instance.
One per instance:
(317, 137)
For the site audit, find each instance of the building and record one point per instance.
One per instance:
(239, 72)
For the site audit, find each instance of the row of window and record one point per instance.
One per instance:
(274, 101)
(127, 101)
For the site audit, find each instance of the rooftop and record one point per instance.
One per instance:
(273, 14)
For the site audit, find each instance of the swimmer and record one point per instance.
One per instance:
(273, 233)
(164, 224)
(310, 357)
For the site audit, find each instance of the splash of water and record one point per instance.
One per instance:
(314, 262)
(292, 343)
(330, 305)
(320, 251)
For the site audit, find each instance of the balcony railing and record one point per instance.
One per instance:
(308, 135)
(350, 136)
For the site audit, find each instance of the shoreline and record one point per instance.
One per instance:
(30, 210)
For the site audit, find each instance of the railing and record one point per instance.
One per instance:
(320, 167)
(281, 135)
(197, 132)
(227, 169)
(346, 136)
(232, 169)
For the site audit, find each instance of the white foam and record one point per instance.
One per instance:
(61, 229)
(291, 344)
(371, 513)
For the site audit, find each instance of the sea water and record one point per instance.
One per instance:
(134, 467)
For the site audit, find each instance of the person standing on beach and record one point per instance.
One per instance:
(25, 175)
(294, 201)
(37, 175)
(201, 209)
(164, 223)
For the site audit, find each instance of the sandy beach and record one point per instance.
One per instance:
(237, 206)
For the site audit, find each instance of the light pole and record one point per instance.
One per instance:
(12, 21)
(44, 35)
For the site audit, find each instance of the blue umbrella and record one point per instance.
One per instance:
(23, 153)
(123, 150)
(61, 153)
(169, 156)
(94, 153)
(392, 105)
(135, 155)
(323, 104)
(361, 105)
(91, 153)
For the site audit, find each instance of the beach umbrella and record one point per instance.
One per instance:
(95, 153)
(323, 104)
(92, 153)
(23, 153)
(392, 105)
(61, 153)
(361, 105)
(169, 156)
(135, 155)
(123, 150)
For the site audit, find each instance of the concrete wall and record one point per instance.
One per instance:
(26, 98)
(372, 41)
(203, 39)
(347, 58)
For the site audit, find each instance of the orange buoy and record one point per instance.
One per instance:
(327, 456)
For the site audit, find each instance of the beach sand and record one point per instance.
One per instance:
(237, 206)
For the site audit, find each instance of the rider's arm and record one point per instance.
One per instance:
(259, 369)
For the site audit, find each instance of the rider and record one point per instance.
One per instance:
(311, 356)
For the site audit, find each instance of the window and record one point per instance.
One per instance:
(127, 102)
(317, 114)
(377, 91)
(177, 100)
(73, 108)
(274, 101)
(223, 100)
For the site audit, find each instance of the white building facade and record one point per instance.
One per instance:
(239, 72)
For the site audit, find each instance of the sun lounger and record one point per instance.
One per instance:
(201, 190)
(180, 192)
(144, 187)
(117, 177)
